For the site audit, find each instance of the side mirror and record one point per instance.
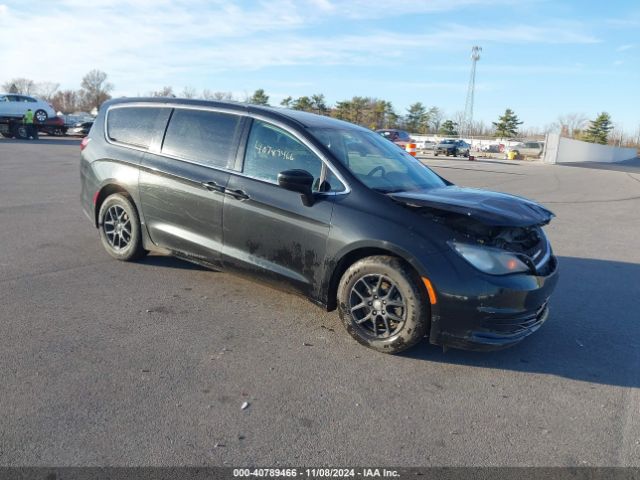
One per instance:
(299, 181)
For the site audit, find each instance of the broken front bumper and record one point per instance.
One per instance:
(493, 312)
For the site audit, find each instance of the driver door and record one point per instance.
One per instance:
(268, 232)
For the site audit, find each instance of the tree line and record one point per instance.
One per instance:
(371, 112)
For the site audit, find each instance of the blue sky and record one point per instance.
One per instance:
(542, 58)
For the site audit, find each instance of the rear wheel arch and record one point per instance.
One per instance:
(105, 192)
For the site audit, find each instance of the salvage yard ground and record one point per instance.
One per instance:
(105, 363)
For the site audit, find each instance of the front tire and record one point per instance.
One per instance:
(383, 305)
(120, 230)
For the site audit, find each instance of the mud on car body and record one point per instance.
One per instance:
(323, 208)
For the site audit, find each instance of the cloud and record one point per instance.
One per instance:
(145, 44)
(622, 48)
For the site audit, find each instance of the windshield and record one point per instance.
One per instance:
(376, 162)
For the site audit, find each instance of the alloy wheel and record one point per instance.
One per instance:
(117, 227)
(377, 306)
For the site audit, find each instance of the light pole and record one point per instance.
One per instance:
(468, 106)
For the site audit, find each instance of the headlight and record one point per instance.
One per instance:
(490, 260)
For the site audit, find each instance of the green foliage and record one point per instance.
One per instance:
(371, 112)
(507, 124)
(598, 130)
(286, 102)
(259, 97)
(449, 128)
(417, 119)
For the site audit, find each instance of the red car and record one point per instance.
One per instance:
(399, 137)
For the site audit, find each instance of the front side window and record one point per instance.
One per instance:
(202, 136)
(133, 125)
(271, 150)
(377, 163)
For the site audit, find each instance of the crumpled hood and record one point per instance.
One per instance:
(490, 208)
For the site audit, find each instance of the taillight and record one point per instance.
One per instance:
(83, 144)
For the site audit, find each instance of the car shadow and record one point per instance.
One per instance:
(628, 166)
(168, 261)
(592, 333)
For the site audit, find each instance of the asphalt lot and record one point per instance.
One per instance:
(107, 363)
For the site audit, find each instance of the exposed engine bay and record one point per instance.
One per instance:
(513, 239)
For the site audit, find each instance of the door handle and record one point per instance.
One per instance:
(237, 194)
(213, 187)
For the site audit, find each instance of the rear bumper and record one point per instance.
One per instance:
(501, 313)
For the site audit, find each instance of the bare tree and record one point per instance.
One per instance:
(436, 116)
(189, 92)
(166, 91)
(460, 119)
(209, 95)
(24, 86)
(46, 90)
(95, 89)
(571, 124)
(66, 101)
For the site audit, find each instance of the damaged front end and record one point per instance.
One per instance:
(488, 221)
(505, 270)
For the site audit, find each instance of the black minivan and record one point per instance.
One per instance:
(324, 208)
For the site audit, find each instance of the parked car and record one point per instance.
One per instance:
(53, 126)
(526, 149)
(399, 137)
(490, 148)
(15, 106)
(452, 147)
(80, 129)
(425, 145)
(276, 194)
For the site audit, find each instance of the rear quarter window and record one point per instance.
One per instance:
(205, 137)
(133, 126)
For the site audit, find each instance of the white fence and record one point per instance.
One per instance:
(566, 150)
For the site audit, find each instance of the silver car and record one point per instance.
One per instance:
(527, 149)
(16, 105)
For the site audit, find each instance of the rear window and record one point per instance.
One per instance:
(205, 137)
(133, 125)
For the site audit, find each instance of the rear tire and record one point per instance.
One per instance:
(383, 305)
(21, 132)
(120, 230)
